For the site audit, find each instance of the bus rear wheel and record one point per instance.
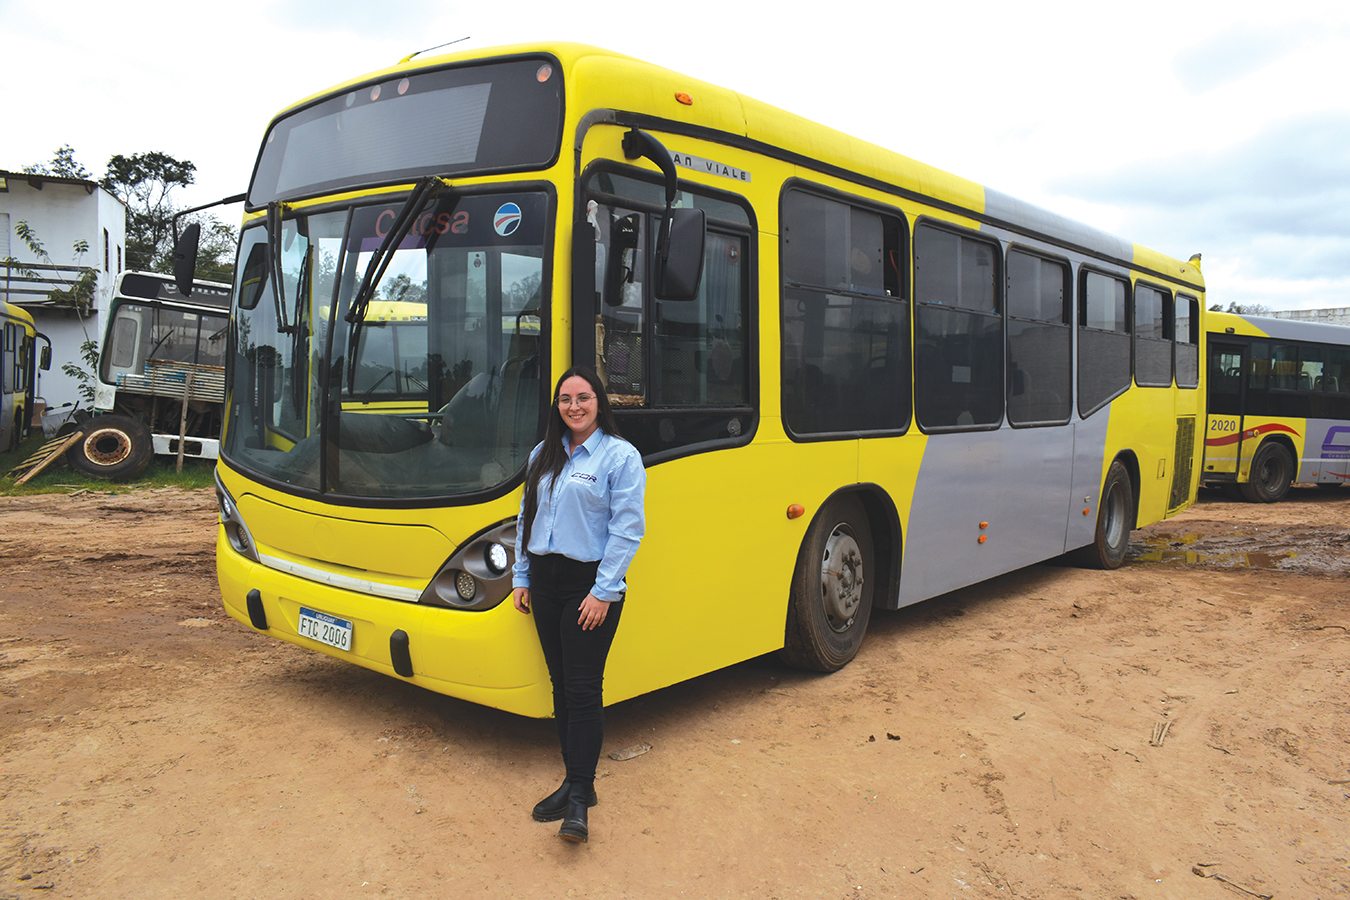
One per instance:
(1272, 473)
(832, 588)
(1115, 519)
(113, 447)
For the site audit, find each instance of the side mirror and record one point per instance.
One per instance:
(679, 256)
(45, 358)
(185, 258)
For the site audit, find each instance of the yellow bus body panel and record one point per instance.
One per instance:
(710, 585)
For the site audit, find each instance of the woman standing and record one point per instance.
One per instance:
(580, 524)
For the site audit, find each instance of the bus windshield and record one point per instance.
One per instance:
(444, 398)
(479, 118)
(143, 334)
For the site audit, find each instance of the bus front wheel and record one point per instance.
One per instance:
(113, 447)
(1272, 473)
(832, 587)
(1115, 518)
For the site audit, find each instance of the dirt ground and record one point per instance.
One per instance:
(1177, 729)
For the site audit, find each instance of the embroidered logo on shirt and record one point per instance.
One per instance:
(584, 476)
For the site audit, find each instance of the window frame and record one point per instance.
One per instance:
(995, 244)
(903, 251)
(1066, 313)
(585, 306)
(1167, 318)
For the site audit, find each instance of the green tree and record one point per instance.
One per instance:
(215, 254)
(145, 183)
(1243, 309)
(63, 165)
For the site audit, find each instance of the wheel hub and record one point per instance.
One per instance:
(107, 447)
(841, 578)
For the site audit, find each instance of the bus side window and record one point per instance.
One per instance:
(6, 372)
(1040, 351)
(619, 334)
(958, 331)
(1103, 340)
(1187, 330)
(1153, 324)
(845, 319)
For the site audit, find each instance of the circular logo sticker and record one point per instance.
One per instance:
(507, 219)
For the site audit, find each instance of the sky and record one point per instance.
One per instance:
(1189, 127)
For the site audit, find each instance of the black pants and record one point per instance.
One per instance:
(575, 658)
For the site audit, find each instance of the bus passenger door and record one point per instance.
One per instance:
(1223, 429)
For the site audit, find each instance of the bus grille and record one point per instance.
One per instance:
(1181, 466)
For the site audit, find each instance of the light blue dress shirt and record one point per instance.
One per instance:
(594, 512)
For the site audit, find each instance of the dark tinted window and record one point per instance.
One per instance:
(1153, 326)
(845, 322)
(1040, 379)
(1187, 341)
(1103, 341)
(677, 372)
(958, 332)
(1225, 379)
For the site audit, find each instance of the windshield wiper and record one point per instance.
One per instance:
(274, 227)
(425, 190)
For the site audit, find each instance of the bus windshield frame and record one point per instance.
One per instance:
(450, 425)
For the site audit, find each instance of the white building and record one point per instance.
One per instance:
(1337, 315)
(61, 212)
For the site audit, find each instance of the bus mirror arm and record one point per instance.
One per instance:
(185, 247)
(679, 247)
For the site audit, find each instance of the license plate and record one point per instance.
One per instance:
(325, 629)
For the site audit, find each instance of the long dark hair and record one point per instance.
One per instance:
(552, 457)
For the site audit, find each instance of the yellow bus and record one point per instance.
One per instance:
(856, 381)
(23, 351)
(1279, 405)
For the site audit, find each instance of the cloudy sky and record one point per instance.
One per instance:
(1190, 127)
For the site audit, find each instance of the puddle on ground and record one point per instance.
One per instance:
(1205, 550)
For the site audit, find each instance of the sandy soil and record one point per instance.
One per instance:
(1177, 729)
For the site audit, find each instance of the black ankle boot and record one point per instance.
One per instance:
(574, 827)
(554, 806)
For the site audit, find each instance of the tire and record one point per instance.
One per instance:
(832, 588)
(1272, 473)
(1115, 520)
(113, 447)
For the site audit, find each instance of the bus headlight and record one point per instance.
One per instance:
(235, 530)
(477, 575)
(497, 558)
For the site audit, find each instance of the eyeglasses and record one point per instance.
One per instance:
(579, 399)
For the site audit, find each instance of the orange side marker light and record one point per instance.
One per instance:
(796, 511)
(684, 98)
(983, 538)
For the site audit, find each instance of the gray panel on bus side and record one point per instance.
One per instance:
(1016, 479)
(1088, 472)
(1326, 452)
